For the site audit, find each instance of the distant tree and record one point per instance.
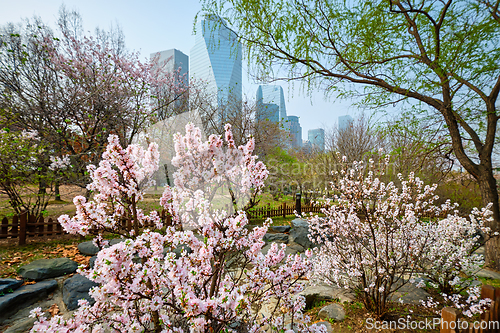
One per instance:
(354, 141)
(442, 56)
(75, 90)
(23, 165)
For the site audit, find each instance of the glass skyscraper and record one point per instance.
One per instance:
(317, 138)
(345, 122)
(295, 131)
(215, 59)
(271, 103)
(175, 63)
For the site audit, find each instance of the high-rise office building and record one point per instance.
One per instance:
(175, 63)
(271, 103)
(215, 59)
(345, 122)
(295, 131)
(317, 138)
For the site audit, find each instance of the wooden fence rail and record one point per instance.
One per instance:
(451, 321)
(24, 226)
(284, 210)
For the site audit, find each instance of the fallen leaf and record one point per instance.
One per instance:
(28, 282)
(53, 310)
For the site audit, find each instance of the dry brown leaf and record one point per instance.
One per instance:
(28, 282)
(53, 310)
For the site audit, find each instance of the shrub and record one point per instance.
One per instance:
(379, 236)
(221, 284)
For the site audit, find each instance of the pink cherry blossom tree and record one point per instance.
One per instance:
(219, 282)
(379, 236)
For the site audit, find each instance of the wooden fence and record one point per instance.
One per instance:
(284, 210)
(24, 226)
(451, 321)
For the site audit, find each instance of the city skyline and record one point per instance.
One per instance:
(155, 26)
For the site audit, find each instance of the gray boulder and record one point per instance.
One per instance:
(88, 248)
(21, 326)
(280, 228)
(76, 288)
(409, 294)
(485, 273)
(332, 311)
(47, 268)
(115, 241)
(275, 238)
(9, 285)
(329, 328)
(24, 297)
(300, 232)
(317, 293)
(92, 261)
(296, 247)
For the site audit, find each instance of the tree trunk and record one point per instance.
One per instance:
(489, 194)
(56, 191)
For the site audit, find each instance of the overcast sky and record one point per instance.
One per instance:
(151, 26)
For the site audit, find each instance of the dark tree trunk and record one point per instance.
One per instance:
(489, 194)
(56, 191)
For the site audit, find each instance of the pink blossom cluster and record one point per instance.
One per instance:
(118, 184)
(470, 305)
(215, 170)
(219, 284)
(378, 236)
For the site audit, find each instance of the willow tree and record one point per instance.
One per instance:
(442, 56)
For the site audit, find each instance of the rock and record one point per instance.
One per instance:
(290, 251)
(9, 285)
(115, 241)
(76, 288)
(280, 228)
(265, 249)
(275, 238)
(296, 247)
(92, 261)
(266, 309)
(23, 297)
(47, 268)
(317, 293)
(329, 328)
(409, 294)
(332, 311)
(21, 326)
(485, 273)
(299, 233)
(88, 248)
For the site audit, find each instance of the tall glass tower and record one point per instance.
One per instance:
(271, 103)
(216, 60)
(317, 138)
(175, 63)
(295, 131)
